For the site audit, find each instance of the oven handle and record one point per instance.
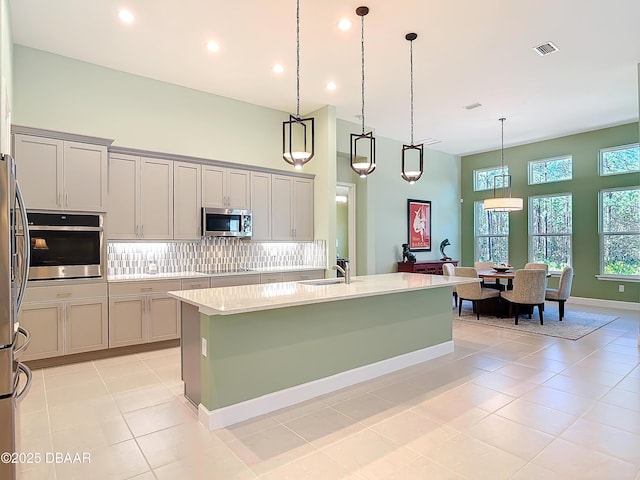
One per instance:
(58, 228)
(26, 261)
(27, 338)
(22, 368)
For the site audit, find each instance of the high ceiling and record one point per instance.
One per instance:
(467, 51)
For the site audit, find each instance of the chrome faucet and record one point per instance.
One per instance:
(345, 271)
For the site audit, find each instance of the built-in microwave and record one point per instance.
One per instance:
(226, 222)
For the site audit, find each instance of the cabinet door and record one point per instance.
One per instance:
(213, 189)
(127, 321)
(261, 205)
(45, 323)
(187, 201)
(123, 198)
(39, 171)
(86, 326)
(238, 189)
(164, 319)
(282, 208)
(85, 177)
(156, 199)
(303, 209)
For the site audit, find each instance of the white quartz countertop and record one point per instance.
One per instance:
(251, 298)
(179, 275)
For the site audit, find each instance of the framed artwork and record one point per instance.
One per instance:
(419, 225)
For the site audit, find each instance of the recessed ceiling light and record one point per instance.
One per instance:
(277, 68)
(344, 24)
(331, 86)
(126, 16)
(213, 46)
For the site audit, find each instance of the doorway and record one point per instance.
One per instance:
(346, 223)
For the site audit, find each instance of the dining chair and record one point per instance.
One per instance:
(562, 293)
(473, 292)
(529, 288)
(541, 266)
(449, 270)
(487, 282)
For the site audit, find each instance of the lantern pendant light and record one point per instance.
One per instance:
(503, 203)
(365, 162)
(412, 154)
(298, 135)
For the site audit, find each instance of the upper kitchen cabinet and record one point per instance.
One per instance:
(292, 207)
(225, 187)
(140, 203)
(261, 205)
(187, 200)
(57, 174)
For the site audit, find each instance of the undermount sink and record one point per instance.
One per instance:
(323, 281)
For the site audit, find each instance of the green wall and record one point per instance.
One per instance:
(584, 187)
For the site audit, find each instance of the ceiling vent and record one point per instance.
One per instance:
(428, 141)
(471, 106)
(545, 49)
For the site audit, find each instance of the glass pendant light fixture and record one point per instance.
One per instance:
(362, 152)
(503, 203)
(298, 135)
(412, 155)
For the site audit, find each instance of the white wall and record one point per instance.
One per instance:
(6, 75)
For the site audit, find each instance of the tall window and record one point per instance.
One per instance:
(620, 231)
(550, 230)
(492, 235)
(622, 159)
(483, 178)
(550, 170)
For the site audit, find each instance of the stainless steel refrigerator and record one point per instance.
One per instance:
(14, 270)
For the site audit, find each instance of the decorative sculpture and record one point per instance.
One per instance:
(443, 244)
(407, 256)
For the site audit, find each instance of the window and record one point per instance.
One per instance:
(483, 178)
(492, 235)
(620, 231)
(550, 230)
(550, 170)
(622, 159)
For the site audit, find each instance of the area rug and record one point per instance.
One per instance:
(573, 326)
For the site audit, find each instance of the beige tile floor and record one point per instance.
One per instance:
(503, 405)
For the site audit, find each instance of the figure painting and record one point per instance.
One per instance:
(419, 224)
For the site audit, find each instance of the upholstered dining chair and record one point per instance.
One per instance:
(562, 293)
(449, 270)
(472, 291)
(529, 288)
(541, 266)
(488, 282)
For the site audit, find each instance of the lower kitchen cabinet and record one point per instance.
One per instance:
(64, 320)
(142, 312)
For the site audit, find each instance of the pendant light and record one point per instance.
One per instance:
(298, 135)
(412, 154)
(365, 163)
(503, 203)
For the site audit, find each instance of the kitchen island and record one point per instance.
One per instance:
(252, 349)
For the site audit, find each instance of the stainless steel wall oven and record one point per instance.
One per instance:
(66, 246)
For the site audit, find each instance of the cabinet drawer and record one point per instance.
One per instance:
(137, 287)
(64, 292)
(270, 277)
(304, 275)
(235, 280)
(194, 283)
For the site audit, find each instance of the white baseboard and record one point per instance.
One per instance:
(598, 302)
(223, 417)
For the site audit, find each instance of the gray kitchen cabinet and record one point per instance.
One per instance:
(58, 174)
(195, 283)
(292, 207)
(301, 275)
(225, 187)
(187, 200)
(64, 320)
(142, 312)
(275, 277)
(261, 205)
(235, 280)
(140, 200)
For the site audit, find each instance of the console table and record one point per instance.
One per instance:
(433, 267)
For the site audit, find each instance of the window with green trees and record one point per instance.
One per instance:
(620, 231)
(550, 230)
(483, 178)
(491, 234)
(622, 159)
(550, 170)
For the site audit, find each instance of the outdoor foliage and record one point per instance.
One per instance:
(621, 231)
(492, 235)
(550, 170)
(551, 228)
(620, 160)
(484, 179)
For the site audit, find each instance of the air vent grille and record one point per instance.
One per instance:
(428, 141)
(545, 49)
(471, 106)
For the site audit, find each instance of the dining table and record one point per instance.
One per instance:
(507, 275)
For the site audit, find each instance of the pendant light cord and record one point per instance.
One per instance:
(298, 60)
(362, 49)
(411, 62)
